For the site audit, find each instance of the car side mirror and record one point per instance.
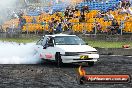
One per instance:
(50, 45)
(44, 47)
(86, 43)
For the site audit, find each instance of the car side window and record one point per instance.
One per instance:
(40, 42)
(44, 41)
(49, 41)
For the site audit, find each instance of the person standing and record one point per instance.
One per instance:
(114, 26)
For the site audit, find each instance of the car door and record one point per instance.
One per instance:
(39, 46)
(49, 50)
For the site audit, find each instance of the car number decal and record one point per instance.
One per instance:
(48, 56)
(84, 57)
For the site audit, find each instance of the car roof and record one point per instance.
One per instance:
(59, 35)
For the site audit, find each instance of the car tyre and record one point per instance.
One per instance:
(58, 59)
(91, 63)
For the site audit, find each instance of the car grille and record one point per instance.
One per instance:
(71, 53)
(84, 59)
(79, 53)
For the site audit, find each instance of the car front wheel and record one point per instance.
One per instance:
(91, 63)
(58, 59)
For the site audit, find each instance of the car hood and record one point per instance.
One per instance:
(76, 48)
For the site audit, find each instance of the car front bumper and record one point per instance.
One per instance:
(75, 59)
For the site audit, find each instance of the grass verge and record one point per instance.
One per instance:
(19, 40)
(108, 44)
(97, 43)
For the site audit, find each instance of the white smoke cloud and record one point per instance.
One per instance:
(5, 6)
(13, 53)
(7, 3)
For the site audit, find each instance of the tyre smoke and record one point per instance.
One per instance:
(14, 53)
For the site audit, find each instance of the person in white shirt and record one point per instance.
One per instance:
(119, 4)
(123, 11)
(129, 11)
(110, 16)
(51, 11)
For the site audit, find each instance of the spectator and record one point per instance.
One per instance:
(114, 26)
(123, 3)
(71, 14)
(66, 13)
(65, 28)
(129, 11)
(110, 16)
(128, 4)
(86, 8)
(82, 18)
(122, 11)
(51, 25)
(97, 27)
(51, 11)
(99, 15)
(59, 28)
(1, 29)
(76, 8)
(131, 1)
(34, 20)
(105, 17)
(22, 22)
(119, 5)
(43, 23)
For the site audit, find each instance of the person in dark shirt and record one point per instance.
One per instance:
(82, 18)
(123, 4)
(128, 4)
(59, 28)
(114, 26)
(1, 30)
(66, 13)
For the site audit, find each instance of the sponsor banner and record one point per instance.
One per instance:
(107, 78)
(102, 78)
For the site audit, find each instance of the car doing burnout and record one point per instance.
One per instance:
(63, 48)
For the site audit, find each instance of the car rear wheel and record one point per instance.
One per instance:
(91, 63)
(58, 59)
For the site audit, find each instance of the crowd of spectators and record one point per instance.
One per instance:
(123, 7)
(72, 15)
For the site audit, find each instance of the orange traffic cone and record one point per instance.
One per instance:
(126, 46)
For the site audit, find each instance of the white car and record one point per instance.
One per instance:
(63, 48)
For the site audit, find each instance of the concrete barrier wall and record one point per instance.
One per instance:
(127, 37)
(114, 51)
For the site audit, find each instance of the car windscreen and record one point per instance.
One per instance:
(68, 40)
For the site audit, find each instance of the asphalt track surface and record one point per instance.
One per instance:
(47, 75)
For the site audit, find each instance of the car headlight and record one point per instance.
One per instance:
(93, 52)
